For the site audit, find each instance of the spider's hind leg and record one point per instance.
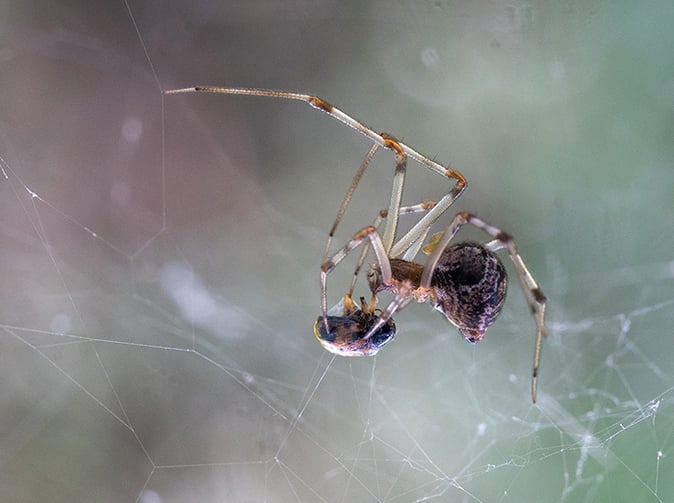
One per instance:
(532, 292)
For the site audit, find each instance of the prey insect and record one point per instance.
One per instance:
(466, 282)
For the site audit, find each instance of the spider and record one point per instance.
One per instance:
(466, 282)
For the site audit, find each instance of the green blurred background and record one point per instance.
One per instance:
(159, 255)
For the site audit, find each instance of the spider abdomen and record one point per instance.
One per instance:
(470, 285)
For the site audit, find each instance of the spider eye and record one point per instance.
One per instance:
(346, 334)
(471, 285)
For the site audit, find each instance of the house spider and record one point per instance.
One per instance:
(466, 282)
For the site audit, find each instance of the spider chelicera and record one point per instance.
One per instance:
(466, 282)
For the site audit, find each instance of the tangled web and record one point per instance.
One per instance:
(156, 309)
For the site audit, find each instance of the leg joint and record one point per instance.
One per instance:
(504, 237)
(392, 144)
(363, 233)
(539, 296)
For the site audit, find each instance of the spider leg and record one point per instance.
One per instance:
(382, 140)
(396, 190)
(414, 248)
(416, 235)
(457, 222)
(420, 229)
(532, 292)
(401, 150)
(347, 197)
(340, 334)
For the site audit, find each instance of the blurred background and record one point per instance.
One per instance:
(159, 255)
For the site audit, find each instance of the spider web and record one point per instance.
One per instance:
(160, 255)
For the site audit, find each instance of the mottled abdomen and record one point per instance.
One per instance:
(470, 284)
